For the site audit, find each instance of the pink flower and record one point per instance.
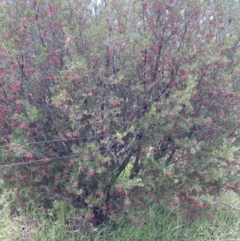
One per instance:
(23, 176)
(68, 40)
(29, 155)
(169, 174)
(104, 208)
(133, 223)
(74, 186)
(46, 159)
(144, 150)
(23, 126)
(15, 87)
(121, 191)
(49, 77)
(85, 159)
(112, 217)
(210, 217)
(65, 193)
(57, 104)
(115, 103)
(127, 203)
(90, 174)
(71, 164)
(57, 178)
(89, 217)
(101, 161)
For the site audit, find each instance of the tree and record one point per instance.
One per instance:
(133, 103)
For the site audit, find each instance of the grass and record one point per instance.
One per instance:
(64, 223)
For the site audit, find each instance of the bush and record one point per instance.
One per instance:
(90, 91)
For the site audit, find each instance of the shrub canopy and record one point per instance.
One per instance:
(116, 105)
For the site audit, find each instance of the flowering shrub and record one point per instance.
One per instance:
(124, 105)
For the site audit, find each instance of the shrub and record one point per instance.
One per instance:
(90, 91)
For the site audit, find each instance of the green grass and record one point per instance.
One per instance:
(63, 223)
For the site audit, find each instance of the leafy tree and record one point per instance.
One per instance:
(117, 105)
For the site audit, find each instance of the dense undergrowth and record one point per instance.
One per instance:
(65, 223)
